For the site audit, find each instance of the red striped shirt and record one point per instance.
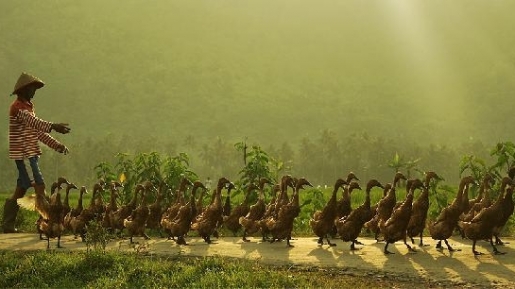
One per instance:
(26, 131)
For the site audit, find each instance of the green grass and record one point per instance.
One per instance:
(119, 270)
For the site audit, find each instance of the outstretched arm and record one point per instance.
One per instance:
(52, 142)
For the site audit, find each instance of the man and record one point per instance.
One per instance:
(25, 133)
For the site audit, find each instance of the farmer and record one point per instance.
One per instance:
(25, 133)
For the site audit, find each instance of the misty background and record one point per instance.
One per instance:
(325, 86)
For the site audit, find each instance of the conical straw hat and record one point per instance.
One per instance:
(26, 79)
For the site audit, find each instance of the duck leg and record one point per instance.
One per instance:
(59, 242)
(476, 253)
(386, 249)
(421, 242)
(244, 238)
(449, 246)
(498, 241)
(408, 246)
(496, 252)
(352, 247)
(181, 241)
(320, 241)
(328, 241)
(439, 245)
(288, 245)
(358, 242)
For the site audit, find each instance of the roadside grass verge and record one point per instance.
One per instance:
(96, 269)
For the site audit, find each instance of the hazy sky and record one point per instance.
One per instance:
(443, 70)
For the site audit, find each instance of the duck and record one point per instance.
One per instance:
(135, 224)
(350, 227)
(394, 228)
(281, 226)
(232, 221)
(79, 223)
(385, 206)
(343, 205)
(171, 212)
(75, 211)
(50, 209)
(270, 210)
(417, 221)
(482, 199)
(155, 210)
(112, 206)
(250, 221)
(116, 217)
(180, 225)
(66, 202)
(441, 229)
(506, 210)
(207, 222)
(322, 221)
(484, 224)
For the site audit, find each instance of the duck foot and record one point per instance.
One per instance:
(451, 249)
(499, 242)
(476, 253)
(181, 241)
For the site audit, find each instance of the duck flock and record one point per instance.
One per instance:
(390, 220)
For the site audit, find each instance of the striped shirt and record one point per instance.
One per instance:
(26, 131)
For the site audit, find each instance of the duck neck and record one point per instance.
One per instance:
(79, 203)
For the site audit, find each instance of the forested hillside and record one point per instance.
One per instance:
(178, 74)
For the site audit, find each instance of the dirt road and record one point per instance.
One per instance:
(429, 263)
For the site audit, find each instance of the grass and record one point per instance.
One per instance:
(120, 270)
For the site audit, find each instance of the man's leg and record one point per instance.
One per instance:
(11, 207)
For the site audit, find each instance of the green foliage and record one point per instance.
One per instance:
(504, 152)
(258, 164)
(146, 166)
(97, 236)
(439, 197)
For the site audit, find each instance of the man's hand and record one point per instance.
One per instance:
(63, 149)
(61, 128)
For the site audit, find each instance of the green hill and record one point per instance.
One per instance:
(273, 71)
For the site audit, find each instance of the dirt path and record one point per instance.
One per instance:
(428, 263)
